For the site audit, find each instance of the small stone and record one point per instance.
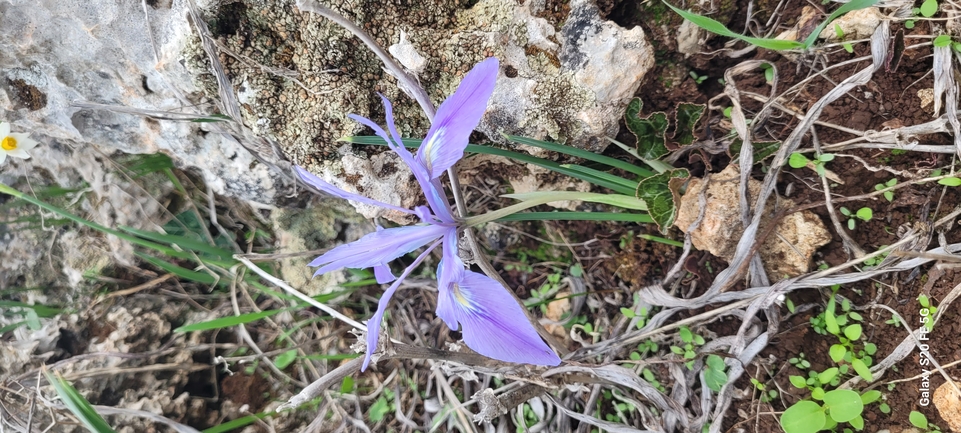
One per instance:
(786, 252)
(857, 24)
(948, 403)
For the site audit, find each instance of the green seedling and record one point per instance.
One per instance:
(798, 160)
(865, 214)
(837, 406)
(641, 316)
(874, 261)
(927, 311)
(699, 79)
(888, 195)
(949, 181)
(941, 41)
(800, 362)
(382, 406)
(920, 421)
(767, 395)
(714, 372)
(768, 72)
(840, 35)
(929, 8)
(689, 343)
(649, 376)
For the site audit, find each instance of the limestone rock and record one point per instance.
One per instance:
(786, 252)
(857, 24)
(948, 403)
(555, 82)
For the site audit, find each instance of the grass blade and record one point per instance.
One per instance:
(522, 157)
(717, 28)
(78, 405)
(579, 216)
(184, 273)
(183, 241)
(581, 153)
(227, 322)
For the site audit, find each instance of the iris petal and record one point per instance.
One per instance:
(326, 187)
(373, 325)
(432, 189)
(457, 117)
(377, 248)
(383, 274)
(492, 322)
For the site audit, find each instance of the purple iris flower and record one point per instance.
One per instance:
(492, 322)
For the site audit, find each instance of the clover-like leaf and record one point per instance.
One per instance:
(660, 192)
(648, 130)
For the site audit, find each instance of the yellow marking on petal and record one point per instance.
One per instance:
(460, 297)
(9, 143)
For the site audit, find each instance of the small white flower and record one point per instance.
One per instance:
(15, 145)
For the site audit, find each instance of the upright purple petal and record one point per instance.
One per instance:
(373, 324)
(492, 322)
(432, 190)
(324, 186)
(378, 248)
(457, 117)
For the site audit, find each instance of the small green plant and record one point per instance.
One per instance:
(888, 195)
(864, 214)
(798, 160)
(766, 395)
(894, 321)
(649, 376)
(874, 261)
(949, 181)
(837, 406)
(920, 421)
(382, 406)
(714, 372)
(690, 341)
(840, 35)
(799, 362)
(641, 316)
(699, 79)
(927, 312)
(929, 8)
(941, 41)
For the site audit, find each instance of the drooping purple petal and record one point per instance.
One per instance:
(373, 324)
(326, 187)
(457, 117)
(378, 248)
(492, 322)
